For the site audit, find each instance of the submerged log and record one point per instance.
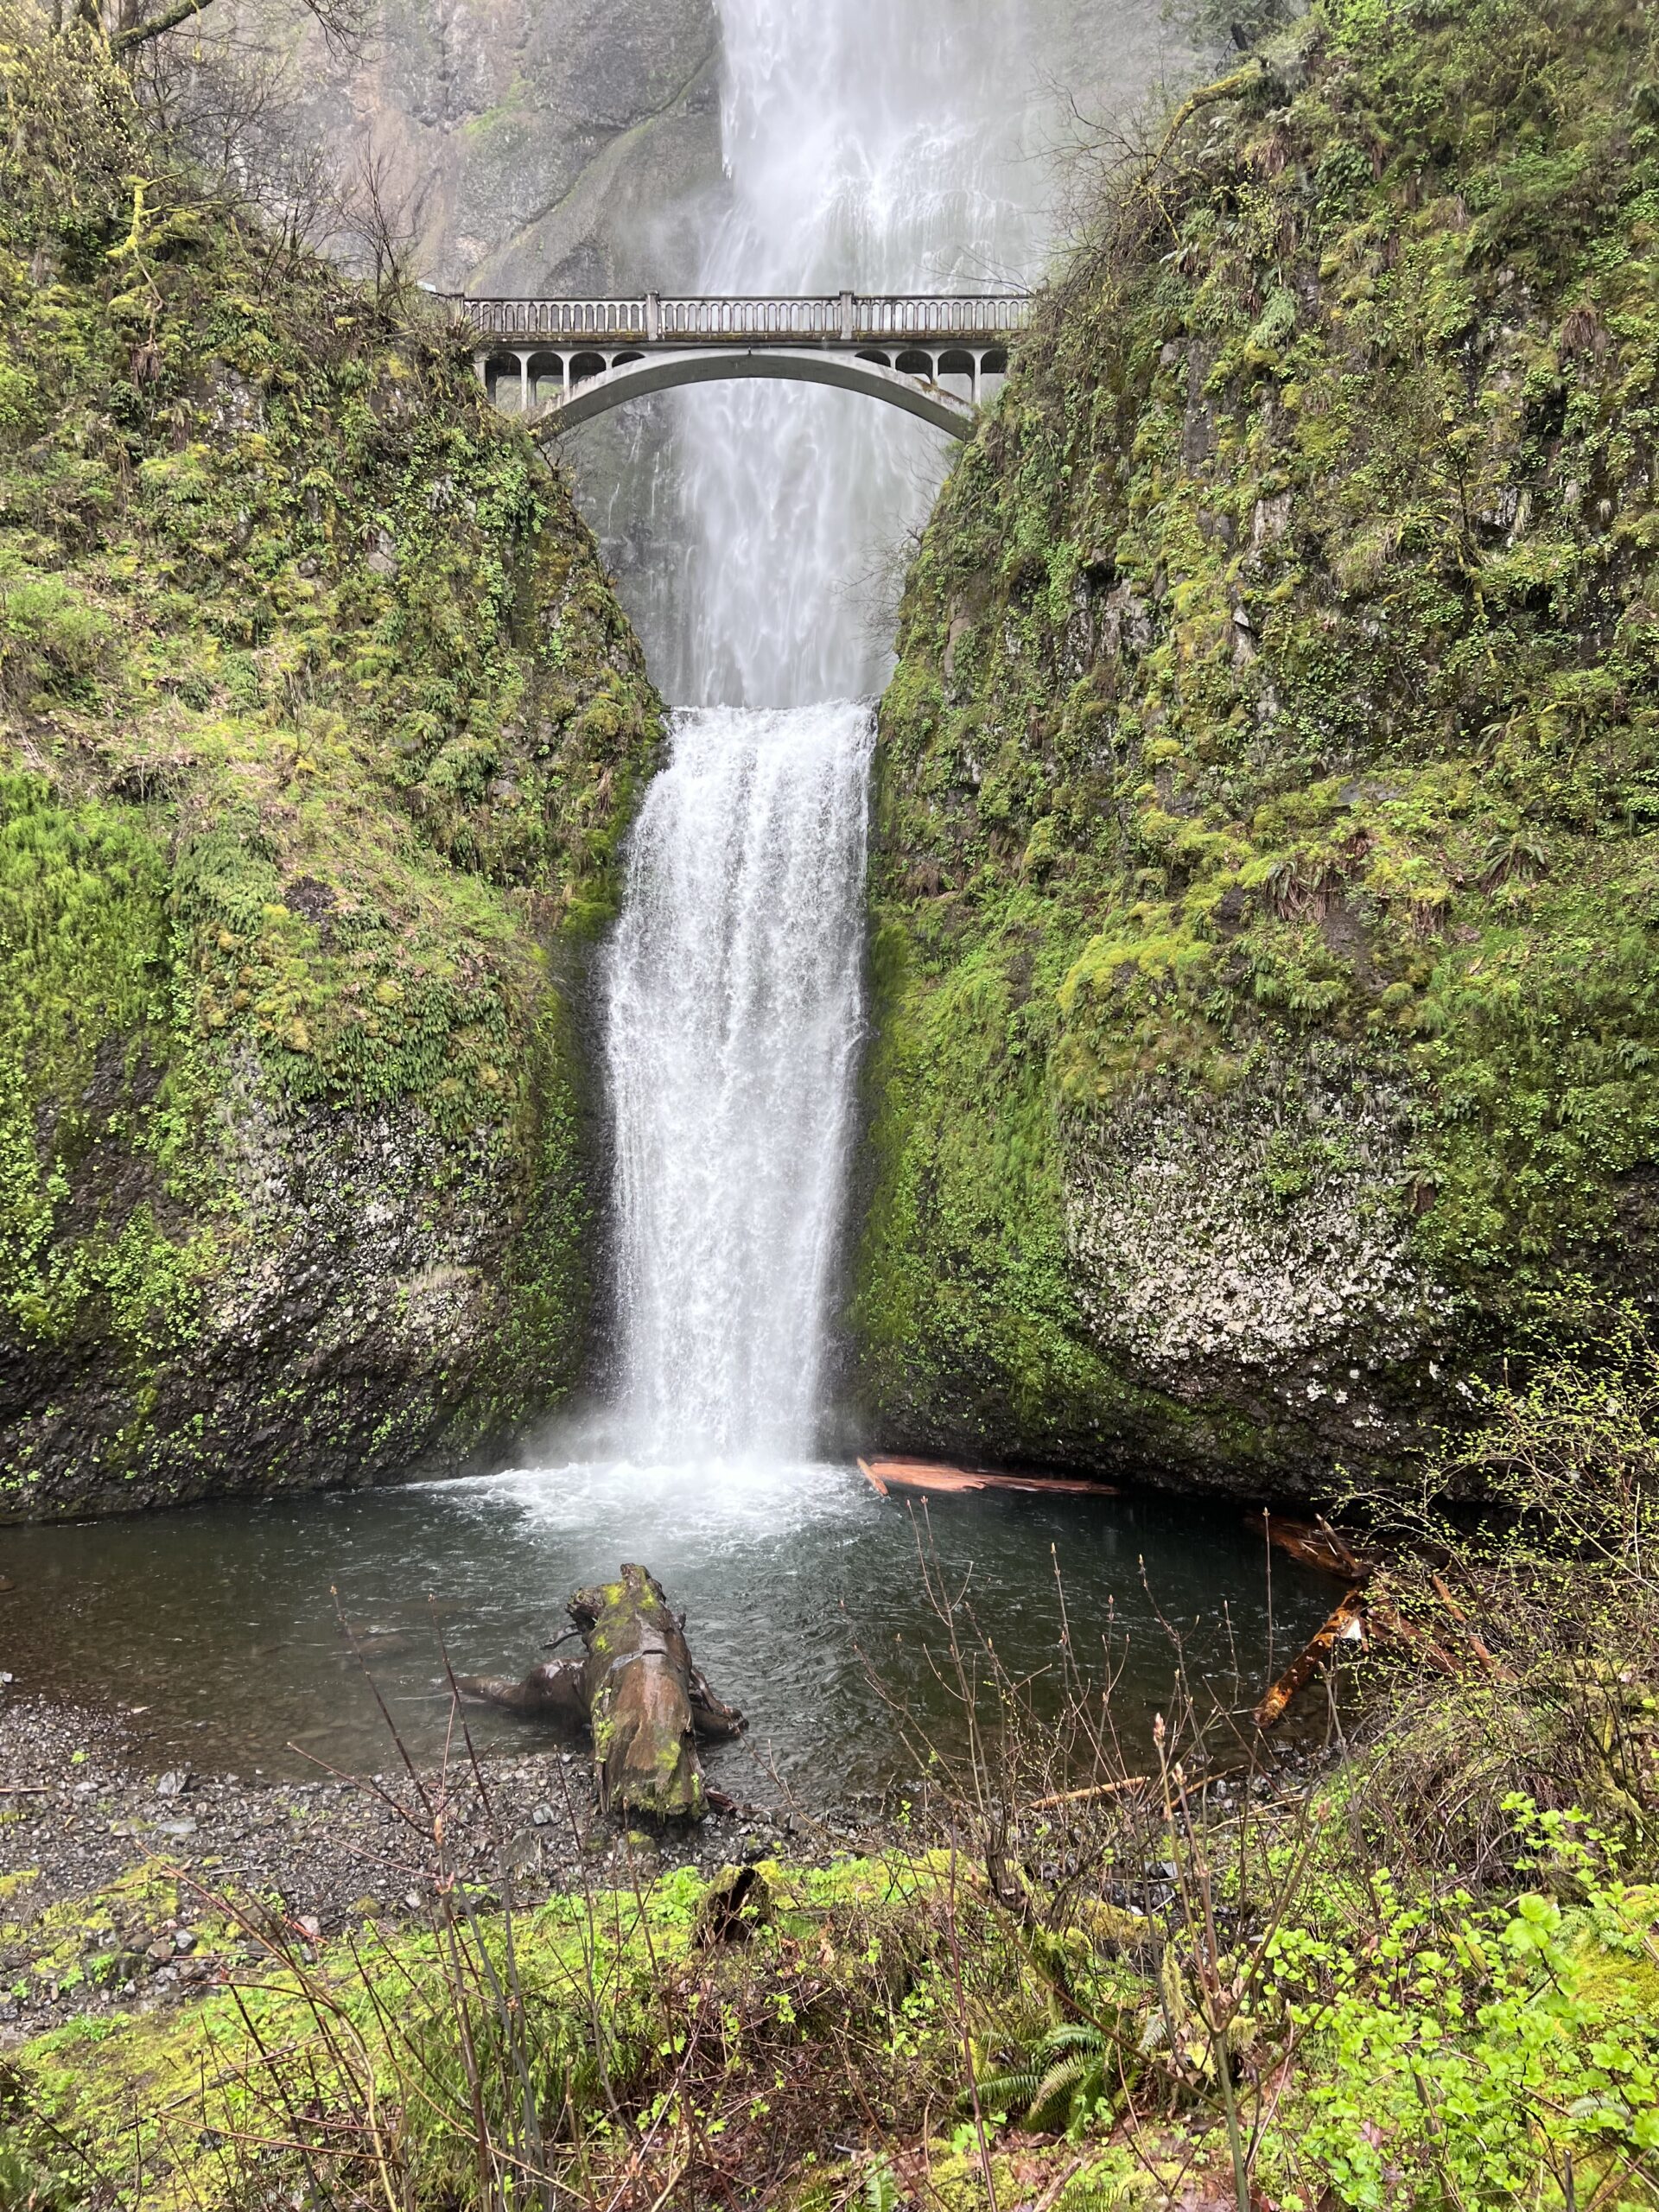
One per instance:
(637, 1689)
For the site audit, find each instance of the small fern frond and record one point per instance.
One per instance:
(1057, 2088)
(880, 2188)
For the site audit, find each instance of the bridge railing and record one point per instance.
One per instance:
(940, 315)
(550, 318)
(847, 318)
(760, 316)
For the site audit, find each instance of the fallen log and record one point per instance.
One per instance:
(1093, 1790)
(936, 1479)
(1345, 1625)
(638, 1692)
(1315, 1543)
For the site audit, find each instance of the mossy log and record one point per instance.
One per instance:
(638, 1691)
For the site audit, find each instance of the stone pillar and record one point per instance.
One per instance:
(524, 383)
(654, 315)
(564, 371)
(847, 317)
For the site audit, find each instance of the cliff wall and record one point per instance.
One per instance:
(319, 726)
(1267, 879)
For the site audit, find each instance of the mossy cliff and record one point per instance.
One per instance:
(1267, 890)
(318, 730)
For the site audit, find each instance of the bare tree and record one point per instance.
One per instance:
(384, 219)
(229, 97)
(131, 25)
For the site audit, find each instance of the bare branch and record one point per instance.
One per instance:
(343, 23)
(383, 218)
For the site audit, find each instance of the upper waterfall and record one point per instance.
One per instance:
(870, 144)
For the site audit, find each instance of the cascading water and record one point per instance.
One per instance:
(876, 143)
(733, 1000)
(863, 148)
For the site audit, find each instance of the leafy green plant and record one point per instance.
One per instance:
(1480, 2055)
(1069, 2078)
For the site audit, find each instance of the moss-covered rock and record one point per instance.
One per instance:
(319, 728)
(1267, 880)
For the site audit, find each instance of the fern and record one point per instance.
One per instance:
(1060, 2080)
(880, 2188)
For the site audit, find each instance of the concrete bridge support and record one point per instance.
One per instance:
(944, 386)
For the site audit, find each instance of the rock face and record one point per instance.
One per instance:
(559, 147)
(319, 728)
(1252, 1247)
(1266, 892)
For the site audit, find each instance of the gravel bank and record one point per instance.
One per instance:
(111, 1875)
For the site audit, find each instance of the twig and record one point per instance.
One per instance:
(1095, 1789)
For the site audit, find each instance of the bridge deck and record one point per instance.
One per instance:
(828, 319)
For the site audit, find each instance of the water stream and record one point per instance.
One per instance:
(734, 1001)
(866, 143)
(882, 144)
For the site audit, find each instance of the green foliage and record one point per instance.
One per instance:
(1478, 2055)
(1065, 2079)
(577, 2032)
(320, 727)
(51, 642)
(1276, 677)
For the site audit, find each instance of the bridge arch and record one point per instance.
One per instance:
(595, 388)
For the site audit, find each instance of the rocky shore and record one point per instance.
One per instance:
(123, 1888)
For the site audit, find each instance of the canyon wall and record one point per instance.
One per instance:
(1266, 886)
(319, 728)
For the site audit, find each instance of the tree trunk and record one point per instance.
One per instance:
(638, 1692)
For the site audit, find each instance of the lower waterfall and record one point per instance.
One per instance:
(733, 1006)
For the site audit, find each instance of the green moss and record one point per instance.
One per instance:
(1277, 677)
(319, 729)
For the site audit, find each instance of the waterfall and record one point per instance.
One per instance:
(867, 143)
(876, 143)
(734, 1017)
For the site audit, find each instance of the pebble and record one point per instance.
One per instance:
(319, 1852)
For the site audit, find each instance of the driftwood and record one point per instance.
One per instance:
(936, 1478)
(635, 1688)
(1345, 1625)
(1315, 1543)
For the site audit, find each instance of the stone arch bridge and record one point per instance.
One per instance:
(561, 362)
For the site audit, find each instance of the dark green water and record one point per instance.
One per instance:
(803, 1592)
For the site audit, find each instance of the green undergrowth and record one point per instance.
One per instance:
(1274, 711)
(319, 729)
(828, 2040)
